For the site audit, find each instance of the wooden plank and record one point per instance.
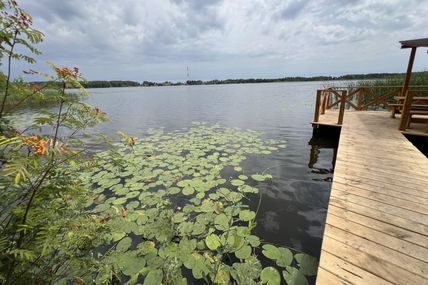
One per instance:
(374, 213)
(379, 225)
(417, 183)
(393, 159)
(370, 263)
(390, 209)
(382, 198)
(409, 169)
(407, 175)
(325, 277)
(407, 263)
(391, 242)
(349, 273)
(379, 180)
(404, 193)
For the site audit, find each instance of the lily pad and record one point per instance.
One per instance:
(243, 177)
(124, 244)
(244, 252)
(270, 276)
(188, 191)
(120, 201)
(237, 182)
(212, 241)
(308, 264)
(258, 177)
(285, 257)
(247, 215)
(154, 277)
(293, 276)
(271, 251)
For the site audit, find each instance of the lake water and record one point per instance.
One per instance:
(294, 204)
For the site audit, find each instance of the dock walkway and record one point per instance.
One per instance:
(377, 223)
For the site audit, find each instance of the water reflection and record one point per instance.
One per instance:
(294, 208)
(327, 140)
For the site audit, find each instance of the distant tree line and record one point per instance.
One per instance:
(368, 76)
(110, 83)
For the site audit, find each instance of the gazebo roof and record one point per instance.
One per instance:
(414, 43)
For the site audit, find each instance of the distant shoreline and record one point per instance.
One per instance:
(128, 83)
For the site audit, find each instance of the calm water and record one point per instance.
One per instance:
(294, 203)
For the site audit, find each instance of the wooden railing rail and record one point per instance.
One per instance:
(358, 98)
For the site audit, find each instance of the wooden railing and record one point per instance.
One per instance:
(356, 98)
(359, 98)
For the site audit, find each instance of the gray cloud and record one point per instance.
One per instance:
(157, 39)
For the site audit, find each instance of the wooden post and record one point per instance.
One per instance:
(342, 107)
(324, 98)
(408, 95)
(317, 106)
(360, 99)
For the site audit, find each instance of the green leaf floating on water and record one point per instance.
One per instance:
(237, 182)
(243, 177)
(308, 264)
(120, 201)
(248, 189)
(270, 276)
(293, 276)
(247, 215)
(188, 191)
(124, 244)
(244, 252)
(154, 277)
(222, 222)
(117, 235)
(253, 240)
(271, 251)
(258, 177)
(212, 241)
(222, 276)
(285, 257)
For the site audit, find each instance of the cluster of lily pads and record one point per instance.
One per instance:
(177, 210)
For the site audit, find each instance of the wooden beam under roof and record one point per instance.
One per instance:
(414, 43)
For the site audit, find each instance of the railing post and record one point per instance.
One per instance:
(324, 103)
(360, 99)
(317, 106)
(342, 107)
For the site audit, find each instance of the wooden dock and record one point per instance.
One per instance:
(377, 223)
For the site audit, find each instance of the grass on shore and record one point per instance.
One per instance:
(46, 98)
(24, 95)
(418, 82)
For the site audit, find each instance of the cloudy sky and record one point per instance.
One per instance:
(157, 39)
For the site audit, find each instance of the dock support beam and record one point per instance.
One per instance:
(317, 106)
(408, 95)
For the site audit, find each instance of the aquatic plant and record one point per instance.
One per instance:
(178, 208)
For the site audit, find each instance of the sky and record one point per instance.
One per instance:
(156, 40)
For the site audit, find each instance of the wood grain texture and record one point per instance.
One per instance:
(377, 222)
